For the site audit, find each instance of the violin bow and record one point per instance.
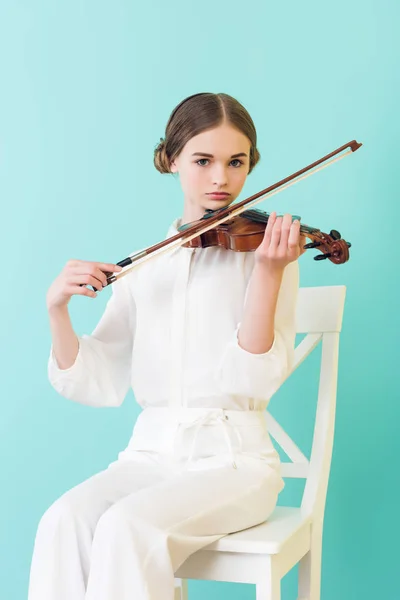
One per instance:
(219, 216)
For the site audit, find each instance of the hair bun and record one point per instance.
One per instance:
(161, 161)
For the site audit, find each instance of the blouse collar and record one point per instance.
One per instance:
(173, 228)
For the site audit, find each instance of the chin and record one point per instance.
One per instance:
(210, 203)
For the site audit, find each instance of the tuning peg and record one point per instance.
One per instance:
(322, 256)
(312, 245)
(335, 234)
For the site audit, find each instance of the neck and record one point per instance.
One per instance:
(194, 212)
(191, 213)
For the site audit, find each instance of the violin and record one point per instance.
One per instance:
(245, 233)
(237, 228)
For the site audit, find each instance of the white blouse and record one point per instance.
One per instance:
(169, 330)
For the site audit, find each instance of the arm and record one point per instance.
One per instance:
(260, 356)
(95, 369)
(65, 341)
(256, 333)
(260, 353)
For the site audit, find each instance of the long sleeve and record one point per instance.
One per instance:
(260, 375)
(101, 373)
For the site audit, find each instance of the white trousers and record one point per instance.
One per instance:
(185, 480)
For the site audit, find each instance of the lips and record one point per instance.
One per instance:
(218, 195)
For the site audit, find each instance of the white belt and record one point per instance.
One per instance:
(211, 418)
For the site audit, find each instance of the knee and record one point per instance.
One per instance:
(57, 516)
(112, 521)
(120, 523)
(64, 512)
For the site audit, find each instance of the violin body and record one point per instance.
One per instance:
(240, 234)
(245, 232)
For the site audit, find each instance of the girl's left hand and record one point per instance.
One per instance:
(282, 243)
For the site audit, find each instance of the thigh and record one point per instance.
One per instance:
(178, 517)
(88, 500)
(211, 502)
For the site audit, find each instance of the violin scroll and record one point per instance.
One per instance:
(331, 245)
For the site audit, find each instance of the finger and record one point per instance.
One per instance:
(81, 290)
(109, 267)
(285, 231)
(87, 279)
(90, 267)
(103, 272)
(276, 233)
(302, 243)
(96, 273)
(294, 235)
(269, 228)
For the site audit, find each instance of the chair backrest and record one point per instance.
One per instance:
(319, 314)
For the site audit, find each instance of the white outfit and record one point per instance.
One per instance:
(200, 463)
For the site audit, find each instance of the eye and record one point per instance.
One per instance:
(201, 162)
(236, 160)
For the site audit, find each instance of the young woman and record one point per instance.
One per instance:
(205, 337)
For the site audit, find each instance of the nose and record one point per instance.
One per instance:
(219, 176)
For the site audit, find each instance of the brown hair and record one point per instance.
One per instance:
(196, 114)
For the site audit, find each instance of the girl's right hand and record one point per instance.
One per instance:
(74, 277)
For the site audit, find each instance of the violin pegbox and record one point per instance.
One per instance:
(331, 245)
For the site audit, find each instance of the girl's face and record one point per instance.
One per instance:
(212, 168)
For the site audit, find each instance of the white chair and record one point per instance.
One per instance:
(262, 555)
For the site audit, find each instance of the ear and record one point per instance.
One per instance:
(173, 167)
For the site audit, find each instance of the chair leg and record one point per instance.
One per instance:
(268, 590)
(181, 589)
(269, 587)
(309, 586)
(185, 591)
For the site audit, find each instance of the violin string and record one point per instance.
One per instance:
(185, 239)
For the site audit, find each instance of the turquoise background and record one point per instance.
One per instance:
(86, 90)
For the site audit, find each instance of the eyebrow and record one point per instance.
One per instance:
(211, 156)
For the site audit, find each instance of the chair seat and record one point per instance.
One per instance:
(267, 538)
